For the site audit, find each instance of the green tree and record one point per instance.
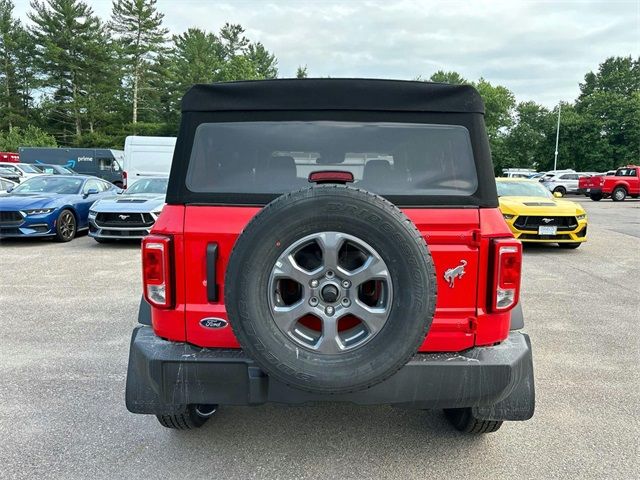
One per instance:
(141, 36)
(26, 74)
(499, 104)
(609, 104)
(30, 136)
(72, 45)
(12, 37)
(453, 78)
(616, 74)
(197, 57)
(581, 145)
(266, 65)
(233, 41)
(238, 68)
(527, 143)
(301, 72)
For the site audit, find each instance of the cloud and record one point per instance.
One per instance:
(540, 50)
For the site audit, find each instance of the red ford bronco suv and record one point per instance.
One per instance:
(331, 240)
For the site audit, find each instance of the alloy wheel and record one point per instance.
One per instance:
(67, 225)
(330, 292)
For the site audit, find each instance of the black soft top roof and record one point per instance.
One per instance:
(333, 94)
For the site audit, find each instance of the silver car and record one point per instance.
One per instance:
(129, 215)
(561, 182)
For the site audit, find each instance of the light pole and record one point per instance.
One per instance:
(555, 158)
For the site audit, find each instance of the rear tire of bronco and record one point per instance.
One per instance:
(464, 421)
(193, 416)
(596, 197)
(330, 289)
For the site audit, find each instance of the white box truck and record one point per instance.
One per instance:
(147, 157)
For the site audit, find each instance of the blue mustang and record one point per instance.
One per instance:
(51, 206)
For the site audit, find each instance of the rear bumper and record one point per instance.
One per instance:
(496, 381)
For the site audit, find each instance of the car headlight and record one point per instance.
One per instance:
(39, 211)
(92, 214)
(581, 216)
(507, 216)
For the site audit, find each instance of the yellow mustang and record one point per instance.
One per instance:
(535, 215)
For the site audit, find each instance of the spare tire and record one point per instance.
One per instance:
(330, 289)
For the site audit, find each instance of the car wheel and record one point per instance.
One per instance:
(464, 421)
(66, 226)
(330, 289)
(596, 197)
(570, 245)
(619, 194)
(193, 416)
(561, 190)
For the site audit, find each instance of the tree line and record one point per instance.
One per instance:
(89, 82)
(599, 131)
(70, 78)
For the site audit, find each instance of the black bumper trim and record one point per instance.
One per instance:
(163, 376)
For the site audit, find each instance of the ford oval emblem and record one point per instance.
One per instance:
(213, 322)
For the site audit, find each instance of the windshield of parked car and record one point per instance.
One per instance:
(400, 159)
(28, 168)
(522, 189)
(50, 184)
(154, 185)
(55, 170)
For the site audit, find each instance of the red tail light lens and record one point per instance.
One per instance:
(156, 271)
(507, 271)
(331, 176)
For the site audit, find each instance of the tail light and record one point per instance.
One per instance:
(124, 179)
(157, 276)
(507, 270)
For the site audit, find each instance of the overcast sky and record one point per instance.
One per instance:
(540, 50)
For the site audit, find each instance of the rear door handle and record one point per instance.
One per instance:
(212, 261)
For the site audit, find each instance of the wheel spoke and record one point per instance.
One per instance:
(373, 269)
(286, 267)
(329, 342)
(287, 317)
(330, 243)
(373, 317)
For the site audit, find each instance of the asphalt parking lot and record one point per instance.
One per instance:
(66, 314)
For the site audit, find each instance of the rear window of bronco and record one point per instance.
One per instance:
(273, 157)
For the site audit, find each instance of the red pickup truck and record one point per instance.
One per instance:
(624, 182)
(592, 182)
